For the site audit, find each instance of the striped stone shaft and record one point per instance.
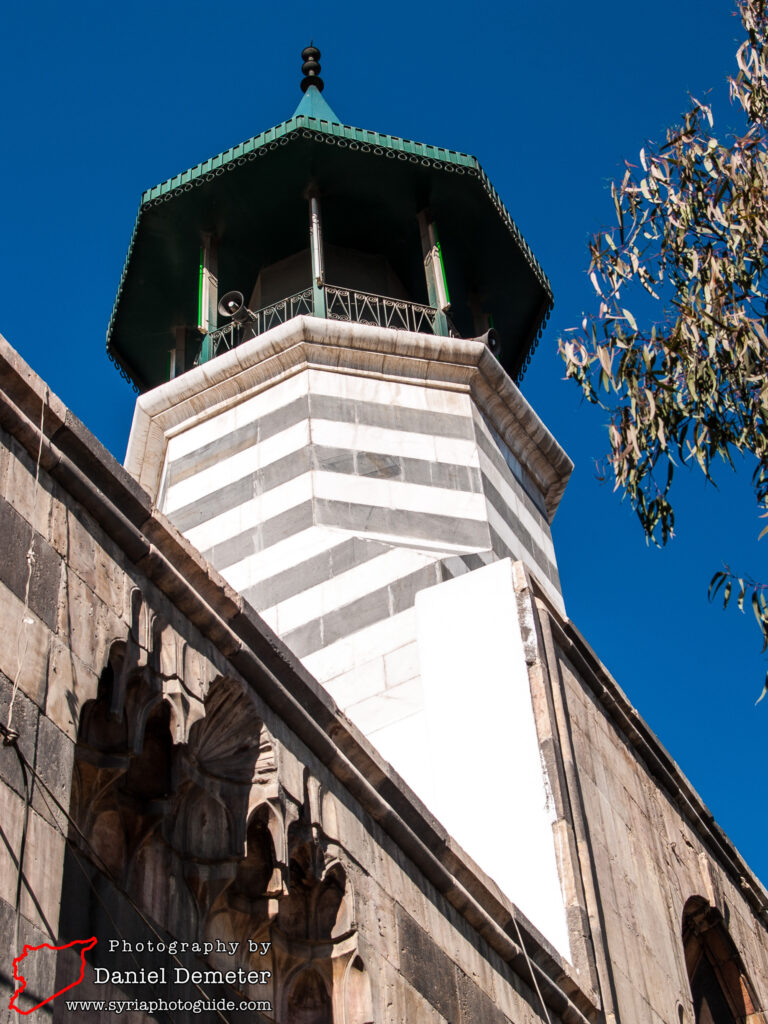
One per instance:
(329, 497)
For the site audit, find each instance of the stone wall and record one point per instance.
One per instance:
(654, 849)
(189, 780)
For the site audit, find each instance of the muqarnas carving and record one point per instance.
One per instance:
(179, 803)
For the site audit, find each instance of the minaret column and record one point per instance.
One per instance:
(208, 291)
(437, 287)
(316, 249)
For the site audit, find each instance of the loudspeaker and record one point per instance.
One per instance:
(493, 341)
(233, 304)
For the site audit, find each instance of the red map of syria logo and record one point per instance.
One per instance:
(84, 944)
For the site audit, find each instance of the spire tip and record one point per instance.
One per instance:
(311, 68)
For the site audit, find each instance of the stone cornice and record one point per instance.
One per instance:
(309, 342)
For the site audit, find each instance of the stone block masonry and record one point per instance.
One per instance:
(210, 789)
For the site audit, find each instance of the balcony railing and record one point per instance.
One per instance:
(234, 333)
(379, 311)
(340, 304)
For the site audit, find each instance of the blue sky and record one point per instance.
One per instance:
(101, 101)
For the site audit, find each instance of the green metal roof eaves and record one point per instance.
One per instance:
(360, 136)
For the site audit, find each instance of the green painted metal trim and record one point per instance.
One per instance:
(125, 372)
(442, 264)
(404, 148)
(200, 291)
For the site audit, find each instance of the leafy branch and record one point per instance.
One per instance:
(758, 598)
(686, 385)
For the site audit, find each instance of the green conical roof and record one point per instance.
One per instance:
(313, 104)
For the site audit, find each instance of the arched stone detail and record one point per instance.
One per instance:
(166, 649)
(139, 628)
(333, 905)
(168, 819)
(102, 724)
(181, 806)
(721, 990)
(308, 996)
(201, 828)
(181, 716)
(314, 928)
(143, 695)
(268, 805)
(229, 742)
(120, 781)
(255, 878)
(357, 999)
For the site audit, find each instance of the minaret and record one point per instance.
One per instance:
(327, 326)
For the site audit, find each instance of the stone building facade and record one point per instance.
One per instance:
(351, 764)
(188, 778)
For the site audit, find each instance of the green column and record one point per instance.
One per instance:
(208, 286)
(434, 271)
(316, 249)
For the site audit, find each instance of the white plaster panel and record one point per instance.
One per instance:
(383, 709)
(402, 664)
(363, 681)
(403, 743)
(489, 789)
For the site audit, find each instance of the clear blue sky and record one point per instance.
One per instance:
(100, 101)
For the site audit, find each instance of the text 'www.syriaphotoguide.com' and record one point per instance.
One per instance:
(119, 1006)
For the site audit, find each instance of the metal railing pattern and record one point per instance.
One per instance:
(234, 333)
(379, 310)
(340, 304)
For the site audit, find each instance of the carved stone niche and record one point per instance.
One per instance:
(168, 821)
(227, 821)
(123, 766)
(178, 802)
(291, 891)
(321, 978)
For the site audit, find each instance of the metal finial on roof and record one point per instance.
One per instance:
(311, 69)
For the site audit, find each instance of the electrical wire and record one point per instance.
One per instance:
(531, 970)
